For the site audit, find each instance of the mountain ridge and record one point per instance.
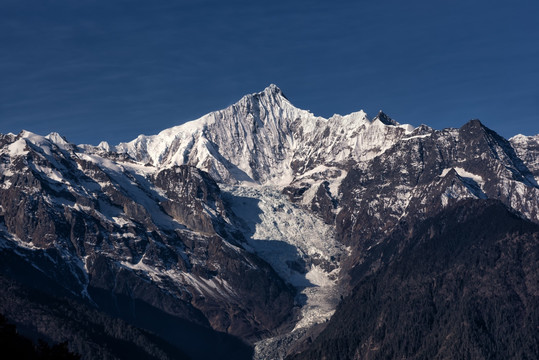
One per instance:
(262, 131)
(255, 220)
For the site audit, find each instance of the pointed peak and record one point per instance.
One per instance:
(271, 96)
(57, 138)
(26, 134)
(474, 123)
(355, 118)
(104, 146)
(384, 119)
(272, 90)
(475, 127)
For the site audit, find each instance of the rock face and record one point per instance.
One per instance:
(256, 220)
(108, 232)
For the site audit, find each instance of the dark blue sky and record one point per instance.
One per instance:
(110, 70)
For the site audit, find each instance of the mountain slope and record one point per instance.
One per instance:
(464, 286)
(87, 331)
(102, 229)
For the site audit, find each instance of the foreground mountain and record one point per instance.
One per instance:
(86, 330)
(14, 343)
(465, 285)
(255, 221)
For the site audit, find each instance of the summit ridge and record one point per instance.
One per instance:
(263, 138)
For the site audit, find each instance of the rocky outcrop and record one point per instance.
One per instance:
(193, 197)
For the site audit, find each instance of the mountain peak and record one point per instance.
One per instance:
(57, 139)
(256, 104)
(473, 124)
(272, 89)
(384, 119)
(26, 134)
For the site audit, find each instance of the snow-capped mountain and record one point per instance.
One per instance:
(264, 139)
(255, 220)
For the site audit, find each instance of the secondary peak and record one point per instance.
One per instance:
(384, 119)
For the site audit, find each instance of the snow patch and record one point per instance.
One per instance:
(416, 137)
(464, 174)
(18, 148)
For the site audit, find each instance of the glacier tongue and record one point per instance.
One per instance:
(297, 244)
